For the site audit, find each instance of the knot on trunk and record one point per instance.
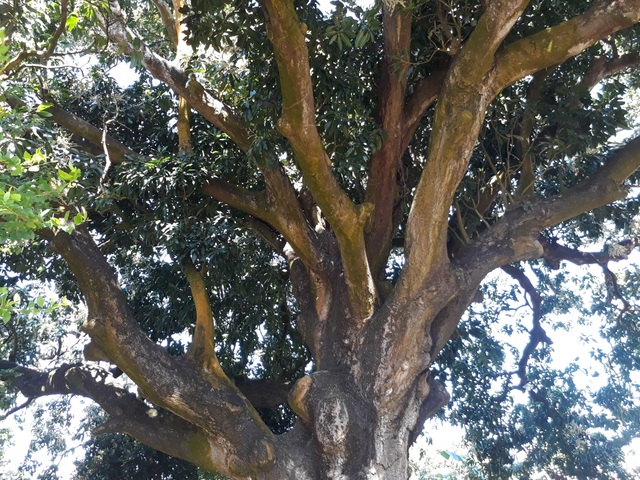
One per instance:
(334, 414)
(339, 417)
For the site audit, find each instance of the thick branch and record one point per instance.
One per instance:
(446, 321)
(202, 349)
(424, 95)
(613, 289)
(183, 54)
(298, 125)
(266, 233)
(298, 122)
(539, 51)
(437, 398)
(117, 150)
(516, 236)
(602, 188)
(459, 114)
(382, 188)
(160, 430)
(427, 283)
(554, 253)
(245, 200)
(603, 68)
(556, 44)
(168, 20)
(289, 219)
(184, 126)
(183, 49)
(289, 222)
(62, 25)
(600, 69)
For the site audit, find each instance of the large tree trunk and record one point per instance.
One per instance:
(350, 423)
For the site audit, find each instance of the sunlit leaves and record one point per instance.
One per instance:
(71, 23)
(31, 200)
(12, 303)
(4, 48)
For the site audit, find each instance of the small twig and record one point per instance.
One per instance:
(537, 334)
(50, 67)
(613, 288)
(105, 147)
(17, 408)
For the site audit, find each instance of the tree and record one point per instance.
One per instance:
(333, 189)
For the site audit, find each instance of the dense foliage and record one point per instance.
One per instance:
(92, 145)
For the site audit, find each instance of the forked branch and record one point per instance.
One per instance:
(516, 236)
(292, 226)
(298, 125)
(537, 334)
(554, 253)
(15, 63)
(167, 381)
(423, 97)
(462, 103)
(159, 429)
(603, 68)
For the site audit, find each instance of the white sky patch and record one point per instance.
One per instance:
(326, 6)
(123, 74)
(21, 425)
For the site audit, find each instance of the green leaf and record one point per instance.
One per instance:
(70, 176)
(361, 38)
(72, 21)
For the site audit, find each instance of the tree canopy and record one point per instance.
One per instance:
(297, 231)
